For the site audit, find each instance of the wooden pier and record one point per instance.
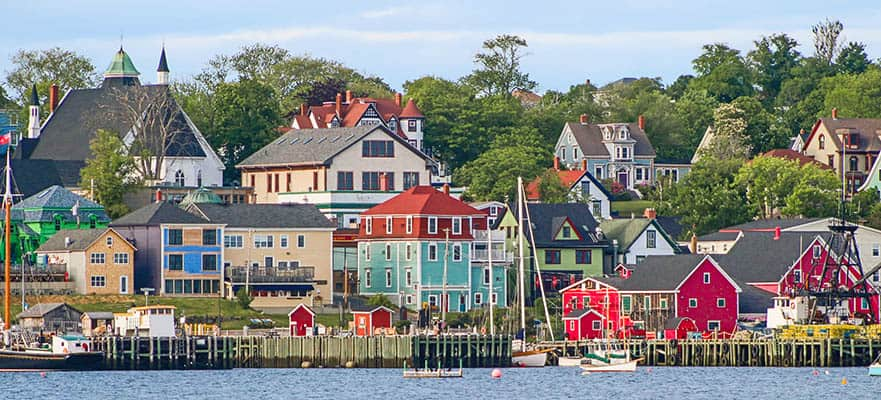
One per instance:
(743, 353)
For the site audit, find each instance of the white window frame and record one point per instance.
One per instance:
(796, 276)
(409, 299)
(109, 241)
(597, 325)
(283, 241)
(487, 272)
(117, 256)
(457, 225)
(388, 277)
(707, 278)
(408, 252)
(494, 298)
(97, 258)
(816, 251)
(263, 242)
(430, 247)
(651, 239)
(432, 225)
(408, 277)
(368, 278)
(409, 224)
(717, 323)
(876, 250)
(389, 221)
(123, 289)
(720, 302)
(388, 251)
(457, 247)
(662, 303)
(368, 225)
(691, 301)
(94, 278)
(478, 298)
(233, 241)
(367, 251)
(301, 239)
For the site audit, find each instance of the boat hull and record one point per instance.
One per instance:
(628, 366)
(533, 358)
(570, 361)
(875, 370)
(37, 361)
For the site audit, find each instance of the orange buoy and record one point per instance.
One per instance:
(844, 381)
(497, 373)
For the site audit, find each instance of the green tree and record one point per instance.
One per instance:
(815, 196)
(826, 35)
(855, 96)
(852, 59)
(762, 130)
(498, 67)
(110, 172)
(493, 174)
(380, 300)
(722, 73)
(771, 64)
(243, 297)
(766, 182)
(65, 68)
(678, 88)
(695, 109)
(551, 189)
(801, 97)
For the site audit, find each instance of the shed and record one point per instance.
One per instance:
(301, 320)
(584, 323)
(97, 323)
(679, 327)
(367, 319)
(58, 317)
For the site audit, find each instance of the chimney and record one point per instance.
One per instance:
(777, 233)
(447, 189)
(650, 213)
(66, 242)
(303, 109)
(158, 195)
(583, 119)
(834, 113)
(693, 245)
(556, 163)
(339, 100)
(383, 182)
(398, 99)
(53, 98)
(348, 97)
(641, 122)
(584, 165)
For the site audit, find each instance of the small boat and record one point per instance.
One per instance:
(571, 361)
(627, 366)
(875, 368)
(433, 373)
(67, 353)
(530, 358)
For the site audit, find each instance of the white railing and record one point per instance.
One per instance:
(497, 236)
(482, 255)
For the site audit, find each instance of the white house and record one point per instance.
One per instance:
(583, 188)
(146, 321)
(638, 238)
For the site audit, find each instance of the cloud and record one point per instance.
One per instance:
(387, 12)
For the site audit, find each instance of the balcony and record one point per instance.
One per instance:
(481, 255)
(497, 236)
(260, 274)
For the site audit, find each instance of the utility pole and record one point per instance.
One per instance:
(489, 257)
(444, 300)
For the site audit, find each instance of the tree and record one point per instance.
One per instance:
(771, 63)
(801, 97)
(762, 131)
(64, 68)
(551, 189)
(695, 110)
(111, 172)
(722, 73)
(766, 182)
(498, 71)
(826, 39)
(729, 130)
(493, 174)
(815, 196)
(380, 300)
(852, 59)
(855, 96)
(678, 88)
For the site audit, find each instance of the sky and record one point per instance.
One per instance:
(569, 41)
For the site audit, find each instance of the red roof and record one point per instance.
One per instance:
(423, 200)
(788, 154)
(411, 111)
(568, 178)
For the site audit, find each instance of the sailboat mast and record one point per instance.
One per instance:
(521, 269)
(489, 257)
(7, 208)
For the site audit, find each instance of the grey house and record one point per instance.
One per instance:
(57, 317)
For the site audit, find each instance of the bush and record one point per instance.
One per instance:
(243, 298)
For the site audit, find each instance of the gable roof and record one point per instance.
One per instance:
(80, 239)
(769, 224)
(315, 146)
(867, 128)
(704, 145)
(548, 218)
(30, 176)
(303, 306)
(158, 213)
(568, 178)
(424, 200)
(56, 200)
(581, 312)
(757, 257)
(792, 155)
(590, 139)
(286, 216)
(351, 112)
(627, 230)
(98, 315)
(671, 225)
(366, 308)
(657, 273)
(41, 309)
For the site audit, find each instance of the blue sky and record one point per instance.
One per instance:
(569, 41)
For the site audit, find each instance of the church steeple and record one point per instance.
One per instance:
(34, 116)
(121, 70)
(162, 71)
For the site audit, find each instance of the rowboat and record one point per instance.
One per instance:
(628, 366)
(875, 368)
(530, 358)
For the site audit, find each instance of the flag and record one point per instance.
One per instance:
(5, 137)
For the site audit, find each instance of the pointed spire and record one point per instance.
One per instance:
(121, 66)
(163, 65)
(35, 100)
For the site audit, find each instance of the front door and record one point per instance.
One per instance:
(462, 300)
(622, 178)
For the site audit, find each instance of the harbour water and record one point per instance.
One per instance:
(545, 383)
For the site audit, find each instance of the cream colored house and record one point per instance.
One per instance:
(98, 261)
(280, 253)
(849, 143)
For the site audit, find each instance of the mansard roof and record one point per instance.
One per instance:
(590, 139)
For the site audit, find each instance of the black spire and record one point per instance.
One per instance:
(35, 100)
(163, 65)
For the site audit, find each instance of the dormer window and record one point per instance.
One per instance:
(821, 142)
(393, 125)
(608, 133)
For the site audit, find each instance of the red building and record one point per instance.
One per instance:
(369, 318)
(584, 323)
(300, 320)
(658, 289)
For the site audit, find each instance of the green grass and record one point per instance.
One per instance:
(624, 208)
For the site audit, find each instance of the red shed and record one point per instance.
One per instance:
(584, 323)
(301, 319)
(678, 328)
(368, 318)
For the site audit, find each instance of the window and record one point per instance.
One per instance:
(597, 325)
(209, 237)
(651, 238)
(283, 241)
(662, 304)
(233, 241)
(457, 226)
(640, 259)
(378, 148)
(120, 258)
(552, 256)
(263, 241)
(585, 302)
(411, 125)
(123, 284)
(493, 298)
(706, 277)
(388, 278)
(175, 237)
(388, 252)
(432, 252)
(457, 252)
(93, 222)
(854, 164)
(409, 298)
(713, 325)
(409, 224)
(345, 180)
(367, 251)
(585, 190)
(408, 277)
(98, 281)
(388, 225)
(638, 174)
(370, 181)
(432, 300)
(567, 232)
(96, 258)
(821, 142)
(301, 241)
(582, 256)
(176, 262)
(864, 303)
(598, 172)
(720, 302)
(368, 225)
(109, 241)
(876, 250)
(432, 224)
(209, 262)
(626, 305)
(831, 160)
(408, 250)
(368, 281)
(478, 298)
(486, 275)
(816, 251)
(597, 208)
(411, 179)
(796, 276)
(647, 302)
(179, 179)
(692, 303)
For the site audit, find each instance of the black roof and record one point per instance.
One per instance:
(671, 225)
(263, 215)
(547, 219)
(753, 300)
(757, 257)
(67, 132)
(158, 213)
(364, 308)
(575, 314)
(35, 100)
(30, 176)
(657, 273)
(163, 64)
(719, 236)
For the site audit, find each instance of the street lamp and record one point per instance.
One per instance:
(147, 291)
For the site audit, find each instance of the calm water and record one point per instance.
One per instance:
(546, 383)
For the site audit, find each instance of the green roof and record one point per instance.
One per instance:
(121, 66)
(625, 231)
(201, 196)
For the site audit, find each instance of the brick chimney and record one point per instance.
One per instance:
(158, 195)
(53, 97)
(398, 99)
(556, 163)
(583, 119)
(303, 109)
(834, 113)
(584, 165)
(447, 189)
(650, 213)
(641, 120)
(383, 182)
(348, 97)
(339, 100)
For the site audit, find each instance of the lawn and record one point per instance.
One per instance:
(625, 208)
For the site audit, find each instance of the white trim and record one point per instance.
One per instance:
(716, 265)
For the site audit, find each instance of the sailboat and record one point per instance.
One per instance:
(609, 357)
(17, 351)
(522, 356)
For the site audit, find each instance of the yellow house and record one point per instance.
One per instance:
(98, 261)
(849, 143)
(280, 253)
